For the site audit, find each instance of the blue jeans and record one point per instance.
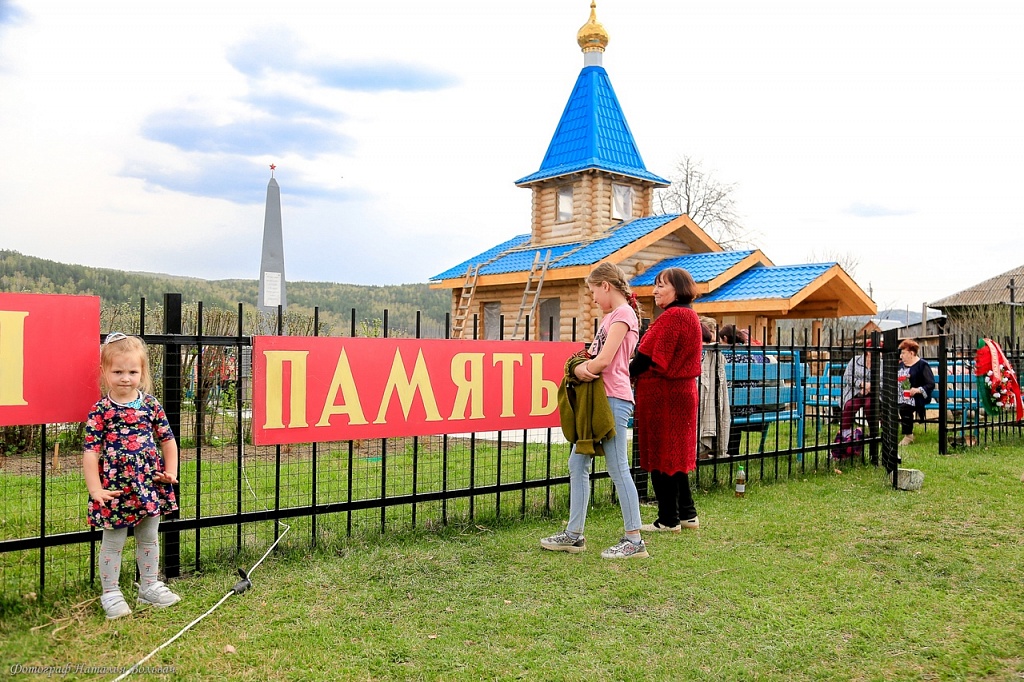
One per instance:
(617, 461)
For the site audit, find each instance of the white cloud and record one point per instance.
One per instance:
(863, 210)
(398, 128)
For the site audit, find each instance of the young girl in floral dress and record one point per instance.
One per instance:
(129, 481)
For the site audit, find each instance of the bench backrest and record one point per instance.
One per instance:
(762, 395)
(828, 390)
(767, 378)
(762, 372)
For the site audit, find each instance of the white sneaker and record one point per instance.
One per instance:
(625, 549)
(656, 527)
(158, 595)
(114, 605)
(563, 542)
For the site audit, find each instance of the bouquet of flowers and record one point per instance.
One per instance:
(997, 382)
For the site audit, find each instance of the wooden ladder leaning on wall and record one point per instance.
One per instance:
(462, 310)
(531, 295)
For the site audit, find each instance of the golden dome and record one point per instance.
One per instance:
(592, 37)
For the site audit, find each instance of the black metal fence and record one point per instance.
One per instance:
(236, 498)
(962, 421)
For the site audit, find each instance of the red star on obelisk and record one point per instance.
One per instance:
(272, 167)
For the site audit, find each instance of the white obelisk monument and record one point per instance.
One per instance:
(272, 281)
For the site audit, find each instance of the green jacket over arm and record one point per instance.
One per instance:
(584, 411)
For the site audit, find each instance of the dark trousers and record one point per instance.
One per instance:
(851, 408)
(675, 501)
(736, 436)
(907, 413)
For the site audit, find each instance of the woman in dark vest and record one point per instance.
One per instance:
(916, 383)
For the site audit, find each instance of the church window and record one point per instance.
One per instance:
(622, 202)
(565, 204)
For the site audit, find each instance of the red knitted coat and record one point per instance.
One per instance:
(666, 394)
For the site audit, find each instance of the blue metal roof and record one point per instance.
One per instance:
(703, 267)
(592, 133)
(511, 257)
(460, 269)
(759, 282)
(521, 261)
(777, 281)
(626, 233)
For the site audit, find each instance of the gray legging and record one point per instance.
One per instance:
(147, 554)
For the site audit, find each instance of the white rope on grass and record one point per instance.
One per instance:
(240, 587)
(185, 629)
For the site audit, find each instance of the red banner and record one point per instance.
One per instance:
(49, 358)
(315, 389)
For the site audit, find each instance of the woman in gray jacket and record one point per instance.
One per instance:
(713, 436)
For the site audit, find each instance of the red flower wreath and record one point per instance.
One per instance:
(997, 382)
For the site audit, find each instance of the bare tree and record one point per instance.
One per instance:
(847, 260)
(708, 202)
(973, 322)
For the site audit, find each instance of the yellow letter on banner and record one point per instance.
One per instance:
(275, 388)
(544, 393)
(470, 385)
(407, 389)
(508, 362)
(344, 382)
(12, 357)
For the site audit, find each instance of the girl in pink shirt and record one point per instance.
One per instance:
(610, 353)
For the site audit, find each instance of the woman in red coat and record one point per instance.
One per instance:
(666, 368)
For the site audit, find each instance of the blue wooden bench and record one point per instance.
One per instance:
(961, 396)
(823, 395)
(767, 387)
(961, 388)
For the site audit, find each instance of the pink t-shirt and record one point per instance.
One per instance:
(616, 374)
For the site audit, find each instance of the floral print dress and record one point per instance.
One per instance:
(125, 439)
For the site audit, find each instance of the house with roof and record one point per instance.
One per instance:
(593, 201)
(878, 325)
(984, 308)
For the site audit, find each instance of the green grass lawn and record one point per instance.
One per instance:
(818, 577)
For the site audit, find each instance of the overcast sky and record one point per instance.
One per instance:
(138, 135)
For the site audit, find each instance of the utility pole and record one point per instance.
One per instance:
(1013, 315)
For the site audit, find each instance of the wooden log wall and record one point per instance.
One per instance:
(545, 228)
(592, 207)
(574, 301)
(669, 246)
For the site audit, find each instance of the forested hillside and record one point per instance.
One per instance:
(20, 273)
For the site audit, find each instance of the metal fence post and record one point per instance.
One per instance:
(42, 509)
(171, 551)
(641, 477)
(888, 405)
(941, 386)
(875, 414)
